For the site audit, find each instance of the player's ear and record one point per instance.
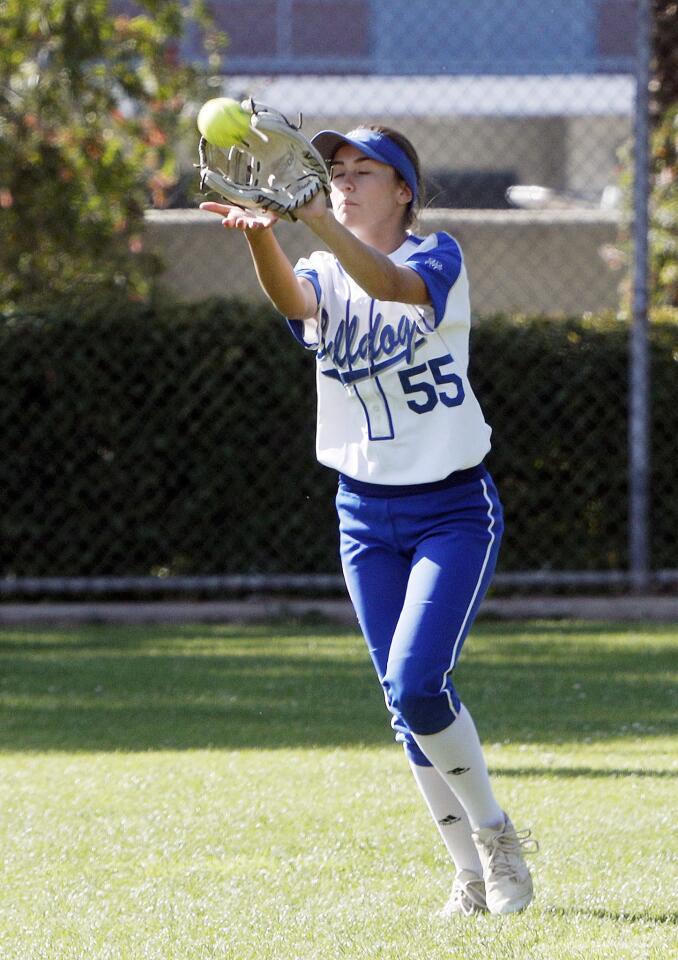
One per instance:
(404, 194)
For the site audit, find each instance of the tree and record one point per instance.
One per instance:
(93, 100)
(663, 210)
(664, 155)
(664, 83)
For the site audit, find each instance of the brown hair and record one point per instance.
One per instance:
(405, 145)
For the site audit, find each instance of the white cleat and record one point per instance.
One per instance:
(508, 884)
(467, 897)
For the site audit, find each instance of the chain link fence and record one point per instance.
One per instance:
(173, 445)
(173, 451)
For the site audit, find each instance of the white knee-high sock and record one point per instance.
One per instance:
(450, 817)
(458, 756)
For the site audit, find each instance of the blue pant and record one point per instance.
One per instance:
(417, 565)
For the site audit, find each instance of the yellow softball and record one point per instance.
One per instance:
(223, 122)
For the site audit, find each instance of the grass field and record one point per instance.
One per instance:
(208, 793)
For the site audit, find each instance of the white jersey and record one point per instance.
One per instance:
(394, 402)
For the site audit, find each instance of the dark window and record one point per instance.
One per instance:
(250, 27)
(330, 29)
(616, 28)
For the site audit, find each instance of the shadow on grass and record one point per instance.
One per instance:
(619, 916)
(587, 773)
(295, 685)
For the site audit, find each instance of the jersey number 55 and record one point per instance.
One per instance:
(430, 395)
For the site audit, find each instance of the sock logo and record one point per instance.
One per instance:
(458, 770)
(449, 820)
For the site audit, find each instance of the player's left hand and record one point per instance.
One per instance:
(237, 218)
(316, 209)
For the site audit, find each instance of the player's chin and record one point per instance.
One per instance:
(348, 213)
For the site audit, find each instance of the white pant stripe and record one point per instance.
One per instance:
(455, 649)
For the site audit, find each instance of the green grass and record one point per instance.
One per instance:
(227, 793)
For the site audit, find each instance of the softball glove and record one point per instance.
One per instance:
(275, 168)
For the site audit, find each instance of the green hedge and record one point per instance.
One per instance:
(556, 393)
(180, 440)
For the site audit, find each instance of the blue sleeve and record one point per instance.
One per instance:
(308, 273)
(304, 331)
(439, 267)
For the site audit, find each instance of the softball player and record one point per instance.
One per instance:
(387, 314)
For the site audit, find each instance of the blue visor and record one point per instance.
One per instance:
(375, 145)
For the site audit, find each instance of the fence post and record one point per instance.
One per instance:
(639, 372)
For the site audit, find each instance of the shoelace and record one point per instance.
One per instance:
(467, 897)
(507, 846)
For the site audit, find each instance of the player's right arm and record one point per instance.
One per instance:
(291, 295)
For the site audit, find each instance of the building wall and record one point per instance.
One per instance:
(518, 261)
(391, 37)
